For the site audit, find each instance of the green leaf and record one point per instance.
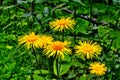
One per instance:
(112, 34)
(116, 42)
(10, 24)
(64, 68)
(46, 11)
(7, 7)
(54, 67)
(64, 0)
(43, 72)
(37, 77)
(28, 77)
(39, 16)
(81, 27)
(39, 1)
(106, 1)
(21, 1)
(80, 2)
(9, 47)
(75, 63)
(102, 31)
(82, 78)
(72, 75)
(67, 58)
(29, 0)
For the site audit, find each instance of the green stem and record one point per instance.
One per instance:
(117, 20)
(91, 8)
(74, 37)
(74, 33)
(58, 68)
(49, 68)
(63, 35)
(37, 62)
(85, 66)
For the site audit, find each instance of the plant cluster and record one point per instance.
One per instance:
(59, 39)
(58, 49)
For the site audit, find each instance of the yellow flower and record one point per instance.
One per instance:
(63, 23)
(57, 49)
(45, 40)
(30, 41)
(97, 68)
(88, 49)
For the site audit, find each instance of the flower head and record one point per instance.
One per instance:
(45, 40)
(97, 68)
(63, 23)
(30, 41)
(57, 48)
(88, 49)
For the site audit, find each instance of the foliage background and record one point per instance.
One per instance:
(97, 20)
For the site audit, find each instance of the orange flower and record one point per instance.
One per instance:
(57, 49)
(97, 68)
(88, 49)
(30, 41)
(63, 23)
(45, 40)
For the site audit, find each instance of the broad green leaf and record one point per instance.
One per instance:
(81, 29)
(82, 26)
(64, 68)
(37, 77)
(67, 58)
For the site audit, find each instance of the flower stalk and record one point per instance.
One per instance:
(58, 68)
(37, 62)
(63, 35)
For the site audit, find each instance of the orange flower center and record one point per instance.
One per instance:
(97, 68)
(57, 46)
(32, 38)
(62, 22)
(87, 48)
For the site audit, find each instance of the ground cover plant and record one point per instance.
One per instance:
(59, 39)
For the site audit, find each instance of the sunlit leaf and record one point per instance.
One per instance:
(37, 77)
(80, 2)
(64, 68)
